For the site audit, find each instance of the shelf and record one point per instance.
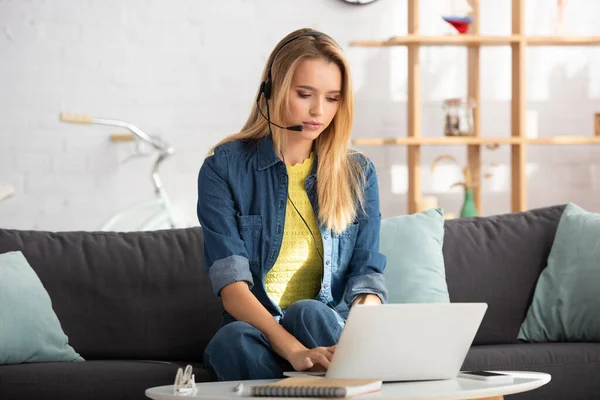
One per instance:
(563, 40)
(449, 40)
(477, 40)
(451, 141)
(565, 140)
(444, 141)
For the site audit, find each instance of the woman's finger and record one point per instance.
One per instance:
(325, 352)
(321, 359)
(308, 362)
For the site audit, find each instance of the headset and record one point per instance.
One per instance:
(266, 90)
(267, 85)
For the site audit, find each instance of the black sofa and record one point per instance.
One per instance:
(138, 305)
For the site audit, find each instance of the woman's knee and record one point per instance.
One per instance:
(309, 310)
(231, 339)
(313, 323)
(238, 351)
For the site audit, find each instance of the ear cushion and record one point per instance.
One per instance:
(267, 89)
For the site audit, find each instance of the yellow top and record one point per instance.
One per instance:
(298, 271)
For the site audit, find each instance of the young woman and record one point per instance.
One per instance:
(290, 218)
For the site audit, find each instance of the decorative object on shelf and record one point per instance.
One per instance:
(459, 18)
(468, 208)
(461, 24)
(459, 117)
(597, 124)
(359, 2)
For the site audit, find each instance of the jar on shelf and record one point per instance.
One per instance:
(459, 117)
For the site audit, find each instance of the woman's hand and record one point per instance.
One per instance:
(316, 359)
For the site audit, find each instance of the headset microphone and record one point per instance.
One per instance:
(297, 128)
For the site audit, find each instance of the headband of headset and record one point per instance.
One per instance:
(266, 86)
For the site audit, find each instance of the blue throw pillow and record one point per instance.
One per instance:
(412, 244)
(29, 328)
(566, 301)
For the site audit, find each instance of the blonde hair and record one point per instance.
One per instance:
(340, 171)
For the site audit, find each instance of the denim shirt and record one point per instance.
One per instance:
(242, 199)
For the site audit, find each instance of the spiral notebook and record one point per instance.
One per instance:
(312, 387)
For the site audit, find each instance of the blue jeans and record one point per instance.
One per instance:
(239, 351)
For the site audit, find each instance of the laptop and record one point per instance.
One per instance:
(405, 342)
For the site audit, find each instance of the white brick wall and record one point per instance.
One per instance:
(188, 70)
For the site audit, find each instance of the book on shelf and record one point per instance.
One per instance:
(310, 387)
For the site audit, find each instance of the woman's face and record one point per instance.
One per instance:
(314, 96)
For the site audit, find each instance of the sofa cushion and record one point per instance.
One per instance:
(566, 305)
(29, 328)
(90, 380)
(412, 245)
(497, 260)
(134, 295)
(574, 367)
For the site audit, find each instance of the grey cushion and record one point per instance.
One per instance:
(498, 260)
(136, 295)
(90, 380)
(574, 367)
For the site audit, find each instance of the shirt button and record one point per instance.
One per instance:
(327, 262)
(325, 286)
(326, 237)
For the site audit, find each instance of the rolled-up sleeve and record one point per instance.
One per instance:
(225, 255)
(367, 263)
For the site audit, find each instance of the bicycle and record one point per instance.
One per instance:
(163, 217)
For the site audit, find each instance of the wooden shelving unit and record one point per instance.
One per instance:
(517, 140)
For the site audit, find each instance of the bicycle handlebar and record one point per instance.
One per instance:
(163, 148)
(86, 119)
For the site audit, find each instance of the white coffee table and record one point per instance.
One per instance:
(453, 389)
